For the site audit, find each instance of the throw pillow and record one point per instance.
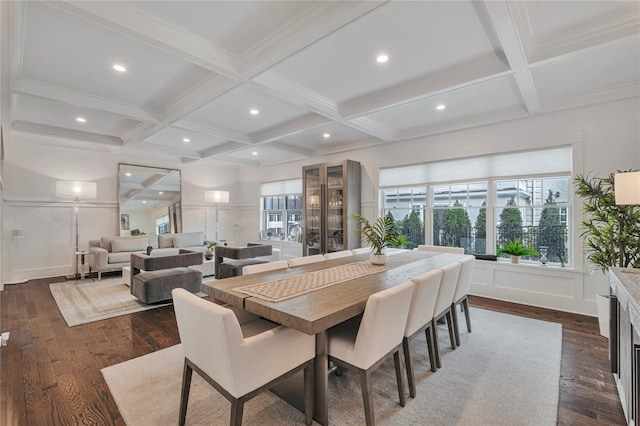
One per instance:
(165, 240)
(122, 244)
(188, 239)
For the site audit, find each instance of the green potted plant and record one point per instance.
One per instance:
(210, 248)
(516, 249)
(377, 235)
(399, 242)
(611, 232)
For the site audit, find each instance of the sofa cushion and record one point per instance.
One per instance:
(165, 241)
(153, 241)
(105, 243)
(188, 239)
(128, 244)
(124, 257)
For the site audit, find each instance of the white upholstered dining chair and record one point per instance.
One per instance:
(441, 249)
(264, 267)
(337, 254)
(305, 260)
(423, 303)
(363, 343)
(238, 361)
(460, 296)
(444, 301)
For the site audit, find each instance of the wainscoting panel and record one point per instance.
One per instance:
(531, 284)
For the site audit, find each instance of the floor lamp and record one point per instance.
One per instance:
(76, 190)
(216, 197)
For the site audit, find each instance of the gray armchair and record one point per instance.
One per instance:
(231, 260)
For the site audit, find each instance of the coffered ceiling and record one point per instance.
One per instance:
(195, 70)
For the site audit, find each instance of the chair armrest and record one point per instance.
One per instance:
(99, 260)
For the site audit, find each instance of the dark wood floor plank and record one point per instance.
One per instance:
(51, 372)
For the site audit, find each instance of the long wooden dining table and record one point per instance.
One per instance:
(316, 311)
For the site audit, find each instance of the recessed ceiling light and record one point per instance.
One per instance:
(81, 119)
(186, 140)
(441, 107)
(144, 201)
(382, 59)
(254, 153)
(160, 192)
(326, 135)
(119, 68)
(128, 174)
(254, 111)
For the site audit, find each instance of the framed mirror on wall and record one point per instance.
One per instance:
(150, 200)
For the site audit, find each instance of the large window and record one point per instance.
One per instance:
(282, 213)
(481, 215)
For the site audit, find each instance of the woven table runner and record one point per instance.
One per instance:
(287, 288)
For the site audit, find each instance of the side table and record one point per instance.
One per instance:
(80, 262)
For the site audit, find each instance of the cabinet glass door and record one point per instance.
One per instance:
(313, 212)
(335, 209)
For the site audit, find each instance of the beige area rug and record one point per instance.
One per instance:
(84, 301)
(505, 373)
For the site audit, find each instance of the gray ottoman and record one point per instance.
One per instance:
(156, 286)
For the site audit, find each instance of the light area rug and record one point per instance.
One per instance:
(88, 300)
(505, 373)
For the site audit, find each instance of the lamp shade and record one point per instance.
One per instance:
(76, 189)
(216, 197)
(627, 188)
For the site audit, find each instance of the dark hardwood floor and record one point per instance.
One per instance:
(50, 373)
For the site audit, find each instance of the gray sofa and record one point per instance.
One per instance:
(112, 253)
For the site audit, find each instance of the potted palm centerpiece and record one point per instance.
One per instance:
(516, 249)
(377, 235)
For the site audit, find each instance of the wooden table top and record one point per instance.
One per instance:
(321, 309)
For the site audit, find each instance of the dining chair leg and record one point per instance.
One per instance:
(452, 336)
(454, 315)
(465, 304)
(396, 361)
(408, 363)
(187, 372)
(432, 361)
(367, 397)
(308, 394)
(237, 406)
(436, 345)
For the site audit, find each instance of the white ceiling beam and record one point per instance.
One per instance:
(280, 146)
(70, 97)
(222, 149)
(368, 126)
(503, 32)
(308, 122)
(176, 151)
(134, 22)
(326, 18)
(19, 137)
(242, 161)
(205, 129)
(58, 132)
(446, 80)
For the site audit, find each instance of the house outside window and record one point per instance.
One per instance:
(281, 214)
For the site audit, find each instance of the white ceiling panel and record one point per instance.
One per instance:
(225, 23)
(339, 135)
(231, 111)
(460, 105)
(65, 50)
(588, 74)
(420, 38)
(174, 137)
(57, 114)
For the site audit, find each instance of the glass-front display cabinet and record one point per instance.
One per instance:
(331, 193)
